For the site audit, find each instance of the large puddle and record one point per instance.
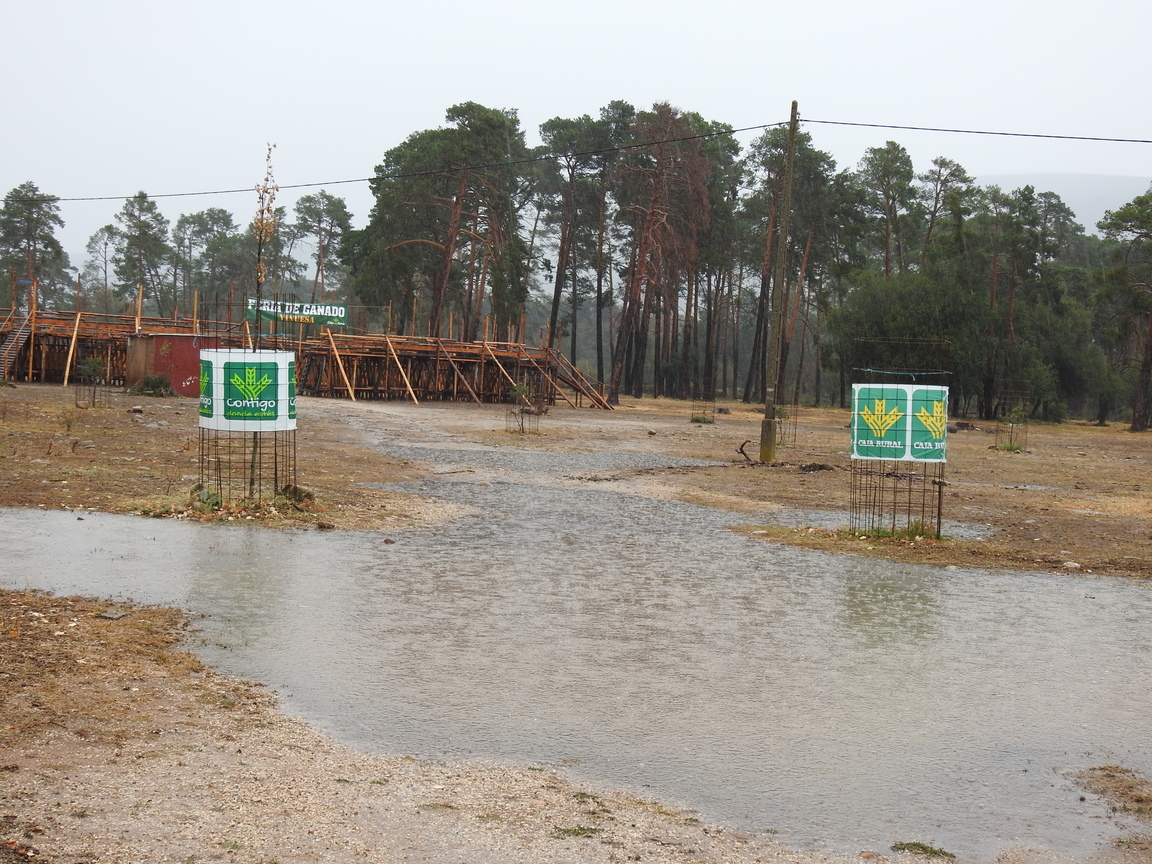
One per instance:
(833, 701)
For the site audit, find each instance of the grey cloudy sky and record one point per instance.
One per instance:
(106, 99)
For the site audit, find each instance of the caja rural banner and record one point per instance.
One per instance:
(332, 315)
(899, 421)
(248, 391)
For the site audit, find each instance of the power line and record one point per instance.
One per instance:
(545, 157)
(984, 132)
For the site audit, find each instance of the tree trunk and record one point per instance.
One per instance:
(567, 228)
(637, 277)
(1143, 381)
(440, 280)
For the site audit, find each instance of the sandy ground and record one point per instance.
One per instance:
(116, 746)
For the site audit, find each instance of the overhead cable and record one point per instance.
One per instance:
(544, 157)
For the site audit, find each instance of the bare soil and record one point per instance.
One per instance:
(117, 746)
(1074, 500)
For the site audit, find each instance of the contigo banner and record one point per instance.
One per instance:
(332, 315)
(248, 391)
(899, 421)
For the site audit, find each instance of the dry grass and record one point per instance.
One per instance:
(50, 646)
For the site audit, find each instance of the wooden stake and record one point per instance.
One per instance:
(32, 332)
(72, 348)
(459, 374)
(496, 360)
(340, 364)
(403, 374)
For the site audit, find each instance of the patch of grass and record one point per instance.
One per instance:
(916, 848)
(437, 805)
(576, 831)
(1125, 790)
(914, 530)
(1139, 843)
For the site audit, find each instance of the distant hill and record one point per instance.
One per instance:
(1089, 195)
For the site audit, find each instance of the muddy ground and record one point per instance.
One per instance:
(116, 746)
(1073, 500)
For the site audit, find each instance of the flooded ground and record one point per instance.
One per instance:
(832, 701)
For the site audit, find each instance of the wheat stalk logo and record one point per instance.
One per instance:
(248, 385)
(879, 419)
(936, 422)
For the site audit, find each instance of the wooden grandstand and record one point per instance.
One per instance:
(48, 347)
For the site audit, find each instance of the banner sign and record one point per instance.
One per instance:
(297, 313)
(904, 422)
(248, 391)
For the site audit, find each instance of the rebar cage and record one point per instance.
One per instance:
(703, 411)
(786, 419)
(523, 420)
(247, 467)
(890, 497)
(91, 380)
(1012, 416)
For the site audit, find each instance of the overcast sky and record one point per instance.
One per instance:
(106, 99)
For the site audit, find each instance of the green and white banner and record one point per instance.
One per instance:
(248, 391)
(333, 315)
(899, 421)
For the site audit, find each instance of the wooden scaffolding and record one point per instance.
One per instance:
(48, 347)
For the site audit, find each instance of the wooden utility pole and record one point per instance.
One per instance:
(776, 327)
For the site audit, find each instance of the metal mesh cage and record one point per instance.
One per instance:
(892, 496)
(247, 466)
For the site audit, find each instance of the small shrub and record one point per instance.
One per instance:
(153, 385)
(205, 499)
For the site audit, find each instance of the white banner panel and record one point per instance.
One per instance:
(247, 391)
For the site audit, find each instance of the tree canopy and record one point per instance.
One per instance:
(643, 243)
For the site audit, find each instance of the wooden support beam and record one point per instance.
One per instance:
(340, 363)
(515, 383)
(403, 374)
(578, 380)
(544, 373)
(459, 375)
(72, 348)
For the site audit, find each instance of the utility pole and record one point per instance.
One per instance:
(776, 326)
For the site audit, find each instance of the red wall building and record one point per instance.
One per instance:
(176, 356)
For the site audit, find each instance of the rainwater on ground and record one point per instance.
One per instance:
(830, 701)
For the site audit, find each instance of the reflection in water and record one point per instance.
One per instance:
(891, 604)
(835, 700)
